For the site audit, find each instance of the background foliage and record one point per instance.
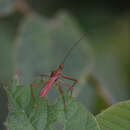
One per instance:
(35, 36)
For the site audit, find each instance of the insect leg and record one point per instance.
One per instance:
(62, 94)
(36, 84)
(70, 87)
(74, 82)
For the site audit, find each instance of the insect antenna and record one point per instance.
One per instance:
(70, 50)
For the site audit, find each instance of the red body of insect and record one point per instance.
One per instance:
(55, 75)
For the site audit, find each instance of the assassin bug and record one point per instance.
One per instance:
(56, 76)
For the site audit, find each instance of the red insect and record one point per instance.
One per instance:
(55, 76)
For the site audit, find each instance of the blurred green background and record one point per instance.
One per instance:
(35, 36)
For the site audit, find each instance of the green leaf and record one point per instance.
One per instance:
(28, 114)
(22, 113)
(8, 29)
(116, 117)
(76, 117)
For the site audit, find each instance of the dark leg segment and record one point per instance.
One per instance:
(74, 82)
(62, 94)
